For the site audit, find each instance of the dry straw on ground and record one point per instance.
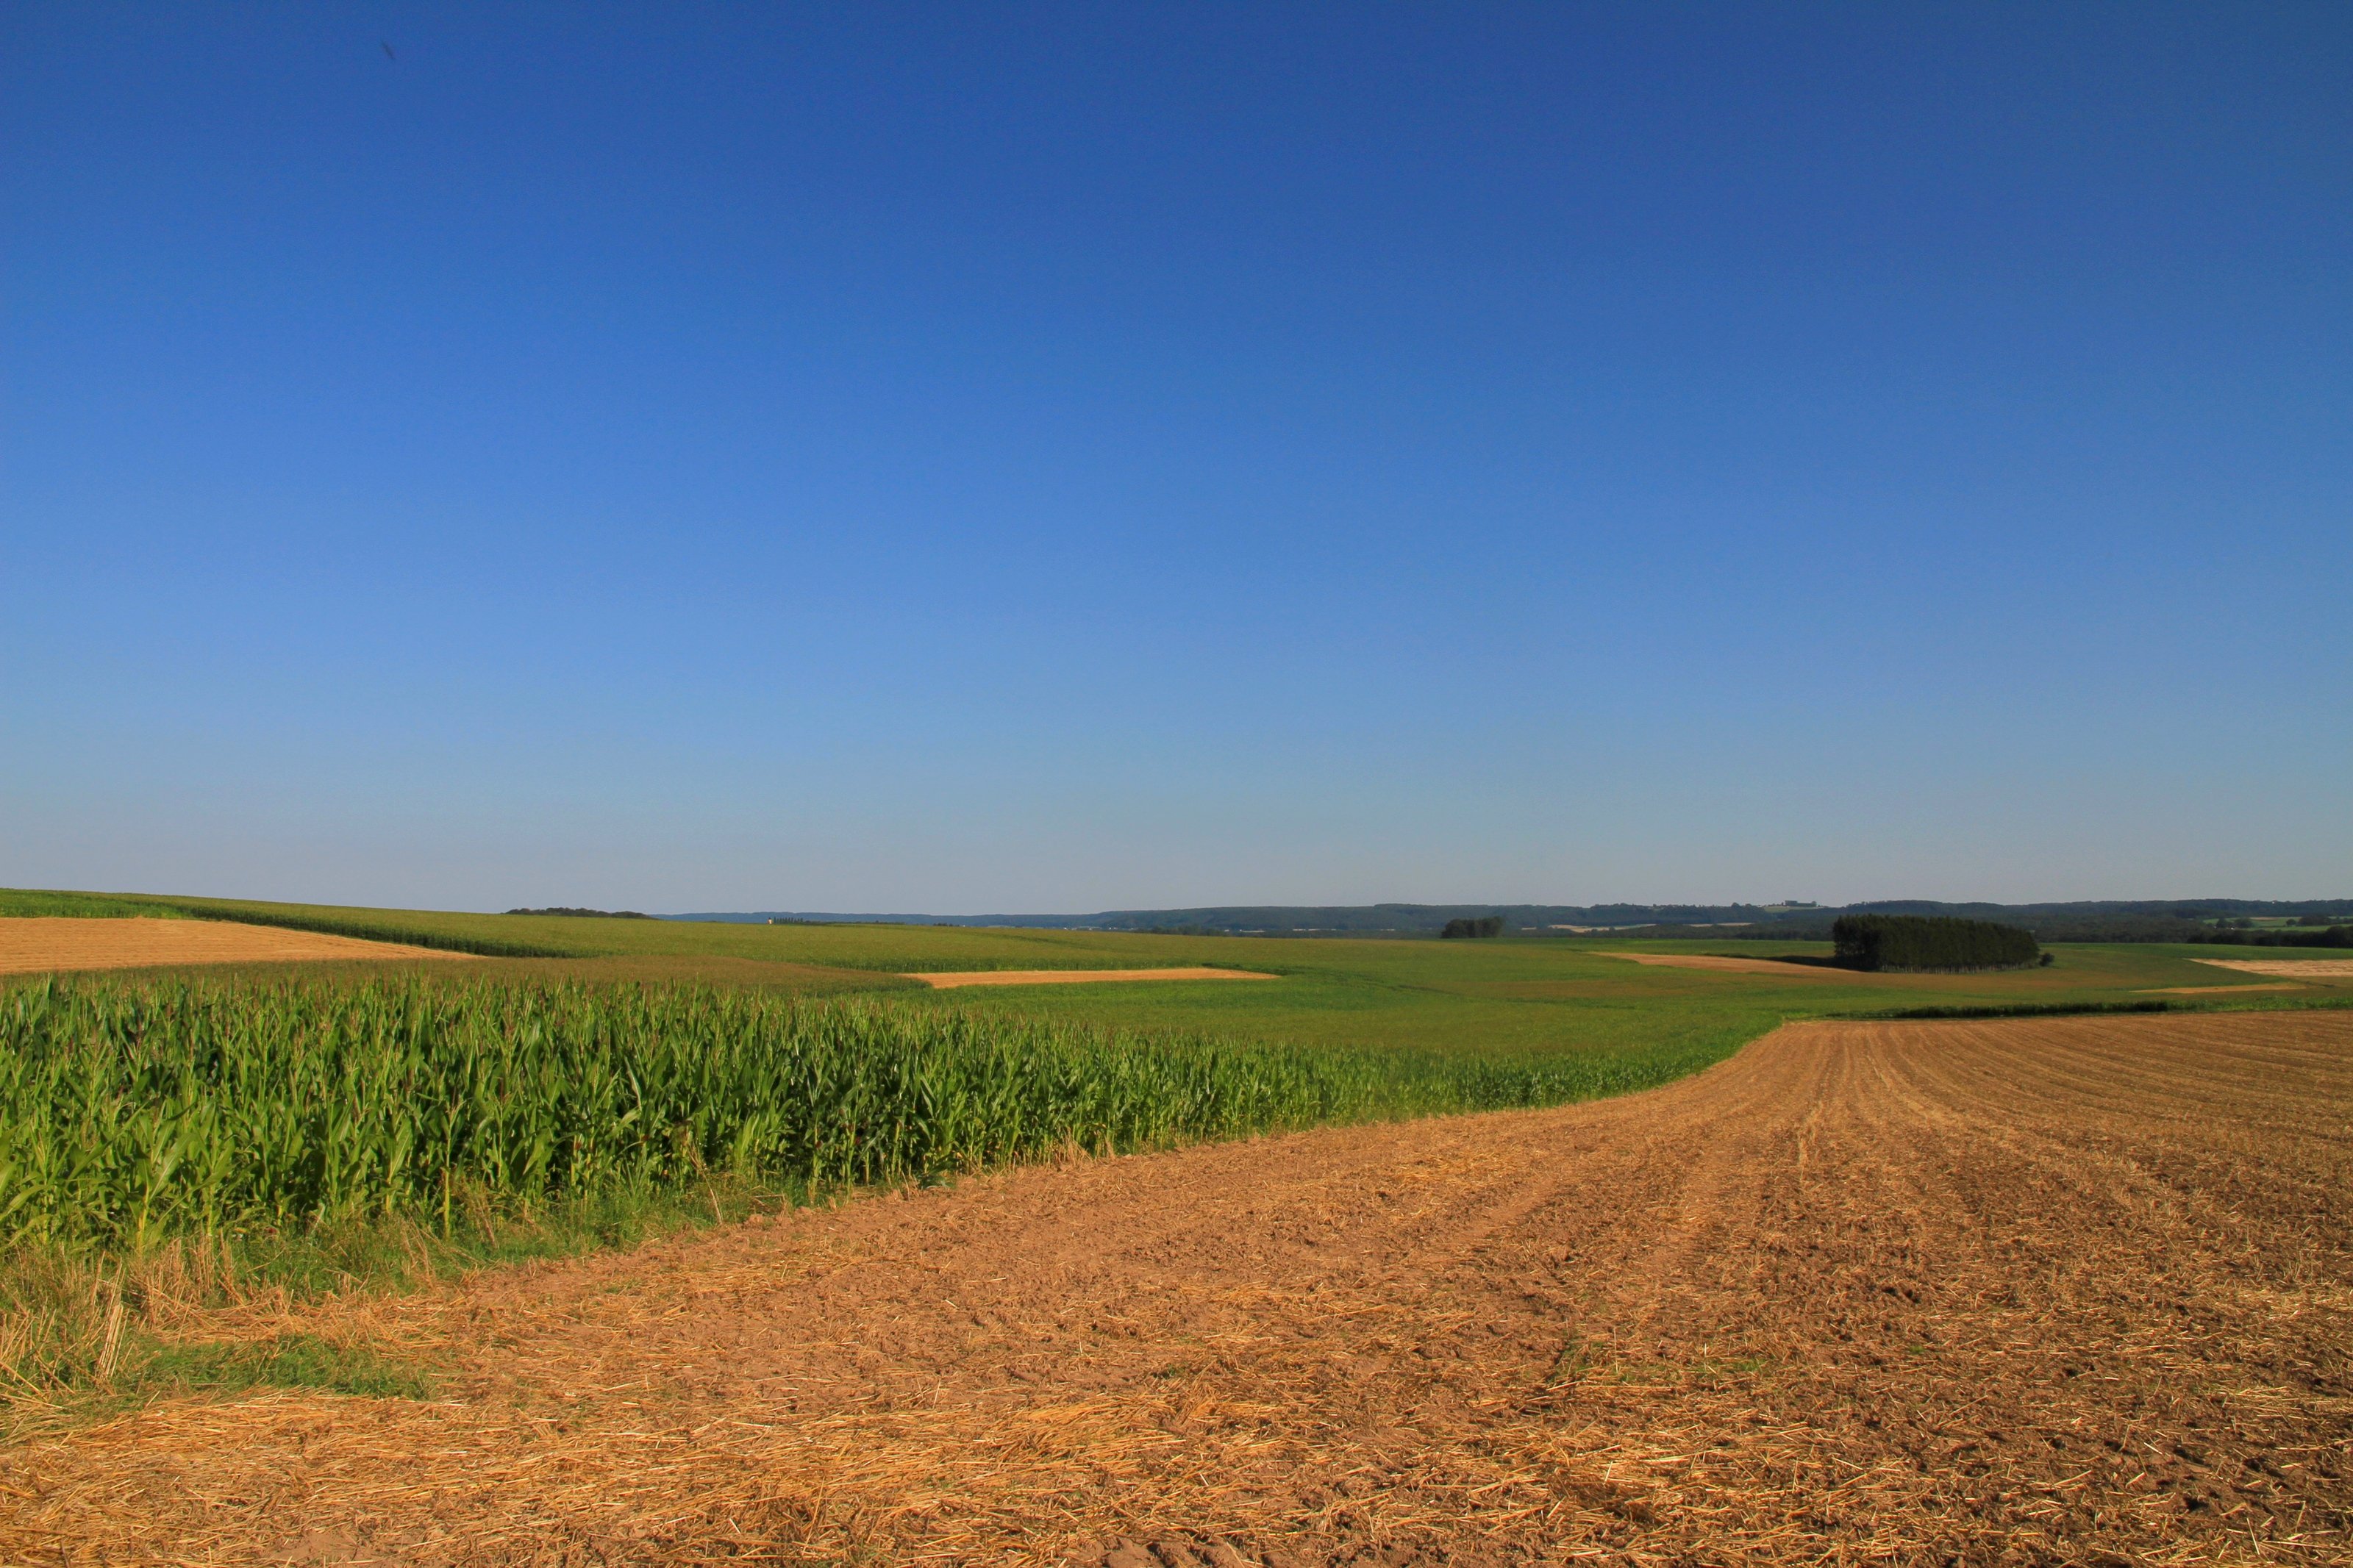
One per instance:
(2054, 1290)
(40, 944)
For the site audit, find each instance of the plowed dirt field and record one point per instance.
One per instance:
(2059, 1290)
(35, 944)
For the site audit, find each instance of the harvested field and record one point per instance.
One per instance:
(939, 981)
(2322, 969)
(32, 945)
(2052, 1291)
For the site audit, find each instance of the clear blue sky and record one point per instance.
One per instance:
(973, 459)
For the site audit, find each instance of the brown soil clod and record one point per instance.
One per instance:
(2045, 1291)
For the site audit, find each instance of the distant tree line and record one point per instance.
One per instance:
(2334, 936)
(2148, 920)
(1936, 943)
(2310, 931)
(593, 914)
(1483, 925)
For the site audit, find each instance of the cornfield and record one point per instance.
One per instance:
(130, 1112)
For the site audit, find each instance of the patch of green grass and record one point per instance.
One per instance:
(1577, 1358)
(282, 1361)
(16, 903)
(2022, 1010)
(83, 1327)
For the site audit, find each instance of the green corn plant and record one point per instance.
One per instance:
(134, 1112)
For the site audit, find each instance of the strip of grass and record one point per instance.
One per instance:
(34, 903)
(282, 1361)
(2020, 1010)
(85, 1328)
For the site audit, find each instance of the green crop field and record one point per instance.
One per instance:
(133, 1111)
(1537, 995)
(656, 1052)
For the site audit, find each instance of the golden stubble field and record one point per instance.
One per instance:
(32, 945)
(2069, 1289)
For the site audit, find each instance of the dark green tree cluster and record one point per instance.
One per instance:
(589, 914)
(1484, 925)
(2242, 936)
(1930, 942)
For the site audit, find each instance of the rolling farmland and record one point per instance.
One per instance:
(2051, 1289)
(1228, 786)
(750, 1240)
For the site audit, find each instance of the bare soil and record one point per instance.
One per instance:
(31, 945)
(949, 982)
(2064, 1290)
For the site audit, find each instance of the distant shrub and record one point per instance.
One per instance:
(591, 915)
(1486, 925)
(1931, 942)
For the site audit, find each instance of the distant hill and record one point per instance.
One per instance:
(2157, 920)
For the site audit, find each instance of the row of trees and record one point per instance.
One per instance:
(589, 914)
(1932, 942)
(2334, 936)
